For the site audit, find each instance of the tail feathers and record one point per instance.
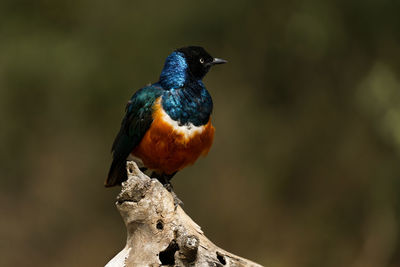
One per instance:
(117, 173)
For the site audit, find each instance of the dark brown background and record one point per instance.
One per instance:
(305, 166)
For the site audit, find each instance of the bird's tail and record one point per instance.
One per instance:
(117, 173)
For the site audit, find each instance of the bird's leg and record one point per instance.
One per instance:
(177, 201)
(165, 181)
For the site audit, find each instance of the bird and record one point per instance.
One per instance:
(167, 125)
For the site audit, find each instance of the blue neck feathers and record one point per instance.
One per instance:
(185, 99)
(174, 73)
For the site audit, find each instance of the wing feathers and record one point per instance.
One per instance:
(136, 122)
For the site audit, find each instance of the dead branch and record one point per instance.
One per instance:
(160, 234)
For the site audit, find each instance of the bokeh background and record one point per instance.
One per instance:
(305, 167)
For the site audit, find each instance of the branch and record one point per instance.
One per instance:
(160, 234)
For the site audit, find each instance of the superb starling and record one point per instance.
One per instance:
(167, 125)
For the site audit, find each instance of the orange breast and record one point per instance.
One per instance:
(167, 148)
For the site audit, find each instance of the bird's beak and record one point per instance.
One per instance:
(218, 61)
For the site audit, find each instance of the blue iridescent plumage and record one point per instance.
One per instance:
(185, 98)
(178, 104)
(174, 73)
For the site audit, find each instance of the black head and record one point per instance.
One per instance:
(198, 60)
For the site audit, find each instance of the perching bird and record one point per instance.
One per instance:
(167, 125)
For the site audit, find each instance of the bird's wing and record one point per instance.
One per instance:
(135, 124)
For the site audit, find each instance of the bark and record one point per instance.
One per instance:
(161, 234)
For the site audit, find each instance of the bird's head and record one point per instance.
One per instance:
(191, 62)
(198, 60)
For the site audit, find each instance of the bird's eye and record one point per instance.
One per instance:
(201, 60)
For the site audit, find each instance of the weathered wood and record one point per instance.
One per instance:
(160, 234)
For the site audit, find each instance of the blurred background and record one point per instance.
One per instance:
(305, 168)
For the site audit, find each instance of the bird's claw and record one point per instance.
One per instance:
(177, 201)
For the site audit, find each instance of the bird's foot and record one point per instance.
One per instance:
(177, 201)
